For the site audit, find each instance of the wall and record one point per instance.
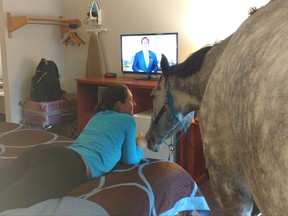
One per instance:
(22, 52)
(0, 64)
(197, 22)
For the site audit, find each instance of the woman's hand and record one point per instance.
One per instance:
(141, 141)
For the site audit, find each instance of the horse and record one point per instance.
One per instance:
(239, 88)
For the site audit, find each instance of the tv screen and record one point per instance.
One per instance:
(141, 53)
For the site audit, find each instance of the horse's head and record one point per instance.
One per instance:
(174, 99)
(180, 92)
(168, 119)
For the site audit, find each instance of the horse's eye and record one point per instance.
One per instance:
(153, 92)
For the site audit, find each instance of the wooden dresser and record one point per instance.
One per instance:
(190, 154)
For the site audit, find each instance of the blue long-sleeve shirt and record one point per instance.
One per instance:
(108, 137)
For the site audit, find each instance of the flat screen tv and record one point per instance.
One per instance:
(141, 53)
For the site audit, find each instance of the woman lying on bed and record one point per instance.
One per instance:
(51, 172)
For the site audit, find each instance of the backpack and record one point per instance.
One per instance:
(45, 84)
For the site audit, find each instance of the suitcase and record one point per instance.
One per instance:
(46, 114)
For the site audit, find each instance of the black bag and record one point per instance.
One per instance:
(45, 84)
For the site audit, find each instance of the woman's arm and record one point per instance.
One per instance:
(132, 150)
(141, 141)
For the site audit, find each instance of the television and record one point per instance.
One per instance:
(133, 54)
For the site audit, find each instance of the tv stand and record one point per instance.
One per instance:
(145, 78)
(149, 77)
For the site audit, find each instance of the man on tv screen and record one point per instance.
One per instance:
(145, 60)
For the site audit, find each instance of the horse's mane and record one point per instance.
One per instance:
(191, 65)
(252, 10)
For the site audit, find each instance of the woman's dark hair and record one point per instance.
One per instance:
(112, 94)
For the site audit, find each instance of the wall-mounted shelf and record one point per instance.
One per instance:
(16, 22)
(97, 30)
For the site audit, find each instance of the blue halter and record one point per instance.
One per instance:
(170, 102)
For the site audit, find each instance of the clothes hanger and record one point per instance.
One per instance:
(73, 39)
(76, 37)
(69, 40)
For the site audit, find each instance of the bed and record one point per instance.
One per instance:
(154, 187)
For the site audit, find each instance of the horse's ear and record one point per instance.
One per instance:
(164, 65)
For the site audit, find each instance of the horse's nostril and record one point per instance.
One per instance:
(152, 147)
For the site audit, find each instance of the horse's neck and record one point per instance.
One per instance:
(209, 64)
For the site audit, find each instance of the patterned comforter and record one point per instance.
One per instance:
(154, 187)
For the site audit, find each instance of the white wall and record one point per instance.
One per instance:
(0, 64)
(215, 20)
(22, 52)
(198, 22)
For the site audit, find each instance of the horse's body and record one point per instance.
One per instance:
(241, 92)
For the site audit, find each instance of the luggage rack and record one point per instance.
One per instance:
(55, 128)
(51, 116)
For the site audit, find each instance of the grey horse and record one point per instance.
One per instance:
(240, 87)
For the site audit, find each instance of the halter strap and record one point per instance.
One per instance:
(172, 114)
